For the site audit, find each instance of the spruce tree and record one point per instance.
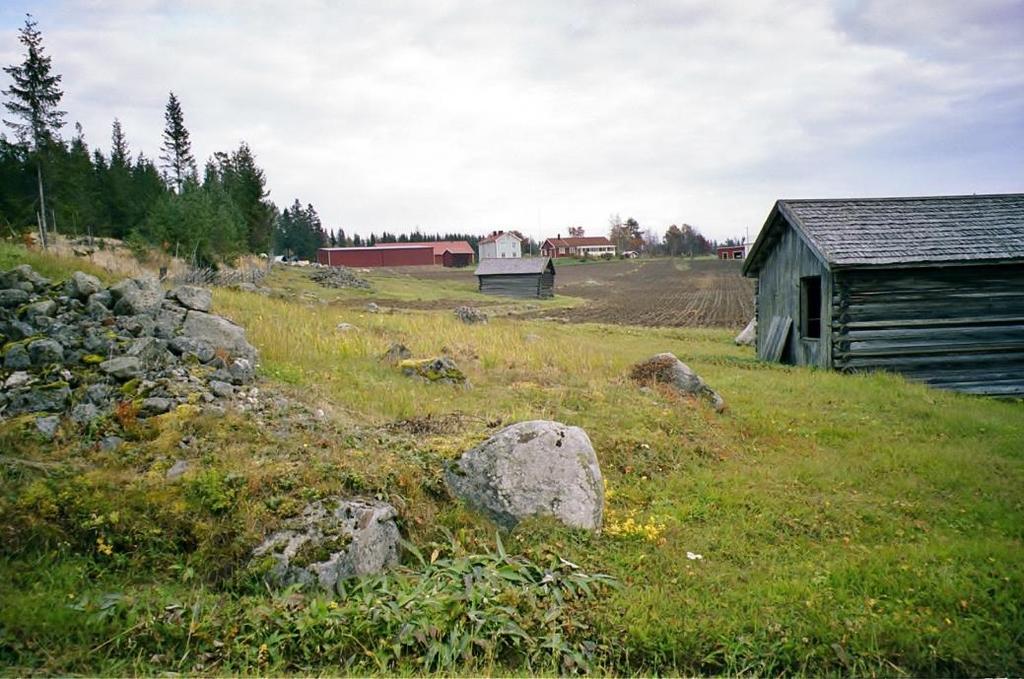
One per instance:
(35, 94)
(178, 161)
(119, 155)
(33, 100)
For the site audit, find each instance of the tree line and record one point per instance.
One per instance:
(50, 183)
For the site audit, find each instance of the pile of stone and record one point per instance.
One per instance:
(81, 349)
(339, 277)
(470, 315)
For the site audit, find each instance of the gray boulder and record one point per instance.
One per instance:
(192, 297)
(536, 468)
(667, 369)
(45, 352)
(122, 368)
(82, 286)
(13, 297)
(43, 309)
(23, 277)
(186, 346)
(155, 405)
(16, 357)
(150, 351)
(135, 296)
(220, 333)
(49, 398)
(396, 353)
(332, 540)
(84, 413)
(748, 335)
(177, 470)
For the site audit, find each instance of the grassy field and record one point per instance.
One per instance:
(844, 524)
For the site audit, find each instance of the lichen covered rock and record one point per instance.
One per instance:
(332, 540)
(667, 369)
(438, 370)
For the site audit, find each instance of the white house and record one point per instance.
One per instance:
(500, 245)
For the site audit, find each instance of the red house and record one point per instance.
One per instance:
(731, 251)
(446, 252)
(403, 255)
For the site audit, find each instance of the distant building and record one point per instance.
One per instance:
(501, 245)
(731, 251)
(522, 277)
(446, 252)
(586, 246)
(404, 254)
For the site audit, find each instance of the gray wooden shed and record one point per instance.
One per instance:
(515, 277)
(929, 287)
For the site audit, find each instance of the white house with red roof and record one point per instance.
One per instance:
(584, 246)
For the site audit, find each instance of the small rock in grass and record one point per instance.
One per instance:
(667, 369)
(154, 405)
(47, 426)
(748, 335)
(177, 470)
(396, 353)
(345, 327)
(437, 370)
(373, 308)
(470, 315)
(84, 413)
(109, 443)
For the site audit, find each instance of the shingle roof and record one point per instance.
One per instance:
(513, 265)
(902, 231)
(495, 236)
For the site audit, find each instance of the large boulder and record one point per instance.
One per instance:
(23, 276)
(748, 335)
(13, 297)
(667, 369)
(332, 540)
(135, 296)
(81, 286)
(192, 297)
(123, 368)
(220, 333)
(536, 468)
(52, 398)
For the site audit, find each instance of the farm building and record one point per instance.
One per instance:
(451, 253)
(929, 287)
(731, 251)
(405, 255)
(522, 277)
(585, 246)
(501, 244)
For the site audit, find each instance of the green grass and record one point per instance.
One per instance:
(847, 524)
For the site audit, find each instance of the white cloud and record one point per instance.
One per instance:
(470, 116)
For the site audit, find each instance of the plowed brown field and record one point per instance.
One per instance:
(658, 292)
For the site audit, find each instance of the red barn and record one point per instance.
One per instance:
(405, 255)
(731, 251)
(446, 252)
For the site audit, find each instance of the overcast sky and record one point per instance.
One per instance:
(472, 116)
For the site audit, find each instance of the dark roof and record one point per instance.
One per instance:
(514, 265)
(900, 231)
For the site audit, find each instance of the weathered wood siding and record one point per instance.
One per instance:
(518, 285)
(958, 328)
(778, 295)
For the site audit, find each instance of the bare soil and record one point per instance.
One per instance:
(658, 292)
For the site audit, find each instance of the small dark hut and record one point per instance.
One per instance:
(929, 287)
(515, 277)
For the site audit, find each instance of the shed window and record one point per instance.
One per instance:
(810, 307)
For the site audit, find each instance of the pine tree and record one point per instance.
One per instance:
(177, 157)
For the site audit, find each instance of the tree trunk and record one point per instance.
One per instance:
(42, 203)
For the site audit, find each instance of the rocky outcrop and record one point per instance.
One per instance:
(332, 540)
(339, 277)
(79, 349)
(748, 335)
(667, 369)
(536, 468)
(437, 370)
